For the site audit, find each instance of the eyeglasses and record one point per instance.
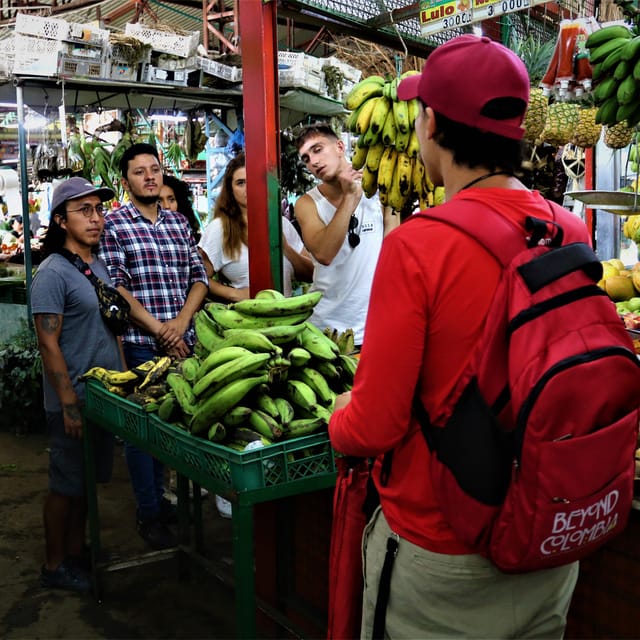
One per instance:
(353, 238)
(88, 210)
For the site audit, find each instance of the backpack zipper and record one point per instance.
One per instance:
(563, 365)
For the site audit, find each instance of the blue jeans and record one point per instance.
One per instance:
(146, 473)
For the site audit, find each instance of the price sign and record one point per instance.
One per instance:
(439, 15)
(485, 9)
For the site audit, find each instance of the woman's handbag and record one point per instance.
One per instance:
(114, 309)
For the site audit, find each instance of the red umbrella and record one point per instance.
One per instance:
(345, 554)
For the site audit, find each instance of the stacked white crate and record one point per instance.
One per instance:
(121, 67)
(8, 47)
(175, 44)
(37, 44)
(300, 70)
(46, 46)
(181, 45)
(224, 71)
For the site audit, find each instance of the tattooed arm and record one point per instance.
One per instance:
(48, 329)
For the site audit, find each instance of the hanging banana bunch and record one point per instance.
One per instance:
(387, 150)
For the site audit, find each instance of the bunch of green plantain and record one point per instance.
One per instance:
(260, 372)
(614, 54)
(387, 149)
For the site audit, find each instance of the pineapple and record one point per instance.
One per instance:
(536, 56)
(562, 120)
(587, 132)
(536, 115)
(618, 136)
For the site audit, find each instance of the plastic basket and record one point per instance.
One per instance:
(13, 292)
(224, 71)
(122, 71)
(52, 28)
(296, 59)
(278, 464)
(36, 56)
(165, 41)
(302, 78)
(87, 33)
(154, 75)
(80, 67)
(105, 408)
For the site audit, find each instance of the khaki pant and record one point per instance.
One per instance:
(442, 596)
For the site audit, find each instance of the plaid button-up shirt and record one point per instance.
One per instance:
(157, 263)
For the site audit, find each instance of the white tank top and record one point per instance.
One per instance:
(346, 282)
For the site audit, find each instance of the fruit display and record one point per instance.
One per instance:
(260, 373)
(622, 285)
(614, 53)
(387, 148)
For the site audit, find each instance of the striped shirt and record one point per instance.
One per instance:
(156, 262)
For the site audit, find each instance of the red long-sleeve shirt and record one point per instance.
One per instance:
(431, 291)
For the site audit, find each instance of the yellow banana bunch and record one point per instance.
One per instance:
(631, 227)
(387, 149)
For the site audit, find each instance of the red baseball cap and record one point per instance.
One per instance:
(461, 76)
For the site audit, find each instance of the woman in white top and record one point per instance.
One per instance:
(225, 241)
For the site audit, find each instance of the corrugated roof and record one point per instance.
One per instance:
(116, 13)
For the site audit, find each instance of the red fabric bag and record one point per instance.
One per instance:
(345, 553)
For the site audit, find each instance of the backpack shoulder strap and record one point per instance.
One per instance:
(497, 234)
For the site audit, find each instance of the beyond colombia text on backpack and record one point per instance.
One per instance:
(534, 465)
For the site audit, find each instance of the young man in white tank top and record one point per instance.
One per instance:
(342, 229)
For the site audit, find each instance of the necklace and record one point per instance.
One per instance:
(484, 177)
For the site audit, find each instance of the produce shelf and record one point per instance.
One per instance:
(211, 464)
(287, 468)
(107, 409)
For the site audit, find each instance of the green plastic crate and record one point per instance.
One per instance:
(13, 291)
(278, 464)
(105, 409)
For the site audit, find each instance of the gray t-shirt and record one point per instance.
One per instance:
(59, 288)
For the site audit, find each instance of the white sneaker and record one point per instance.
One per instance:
(224, 507)
(170, 496)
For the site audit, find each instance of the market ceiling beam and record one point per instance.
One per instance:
(215, 11)
(258, 31)
(60, 8)
(127, 7)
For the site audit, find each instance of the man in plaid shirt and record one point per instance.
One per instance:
(154, 262)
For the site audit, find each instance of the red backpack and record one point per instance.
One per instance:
(534, 464)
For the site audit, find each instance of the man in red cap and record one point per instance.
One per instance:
(431, 292)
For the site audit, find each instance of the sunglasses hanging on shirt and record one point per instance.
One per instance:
(353, 238)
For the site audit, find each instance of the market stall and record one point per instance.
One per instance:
(259, 477)
(245, 478)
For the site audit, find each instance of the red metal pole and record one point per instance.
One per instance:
(589, 183)
(258, 41)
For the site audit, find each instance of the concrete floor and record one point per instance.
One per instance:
(147, 601)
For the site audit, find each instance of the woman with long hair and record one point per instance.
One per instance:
(175, 195)
(225, 241)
